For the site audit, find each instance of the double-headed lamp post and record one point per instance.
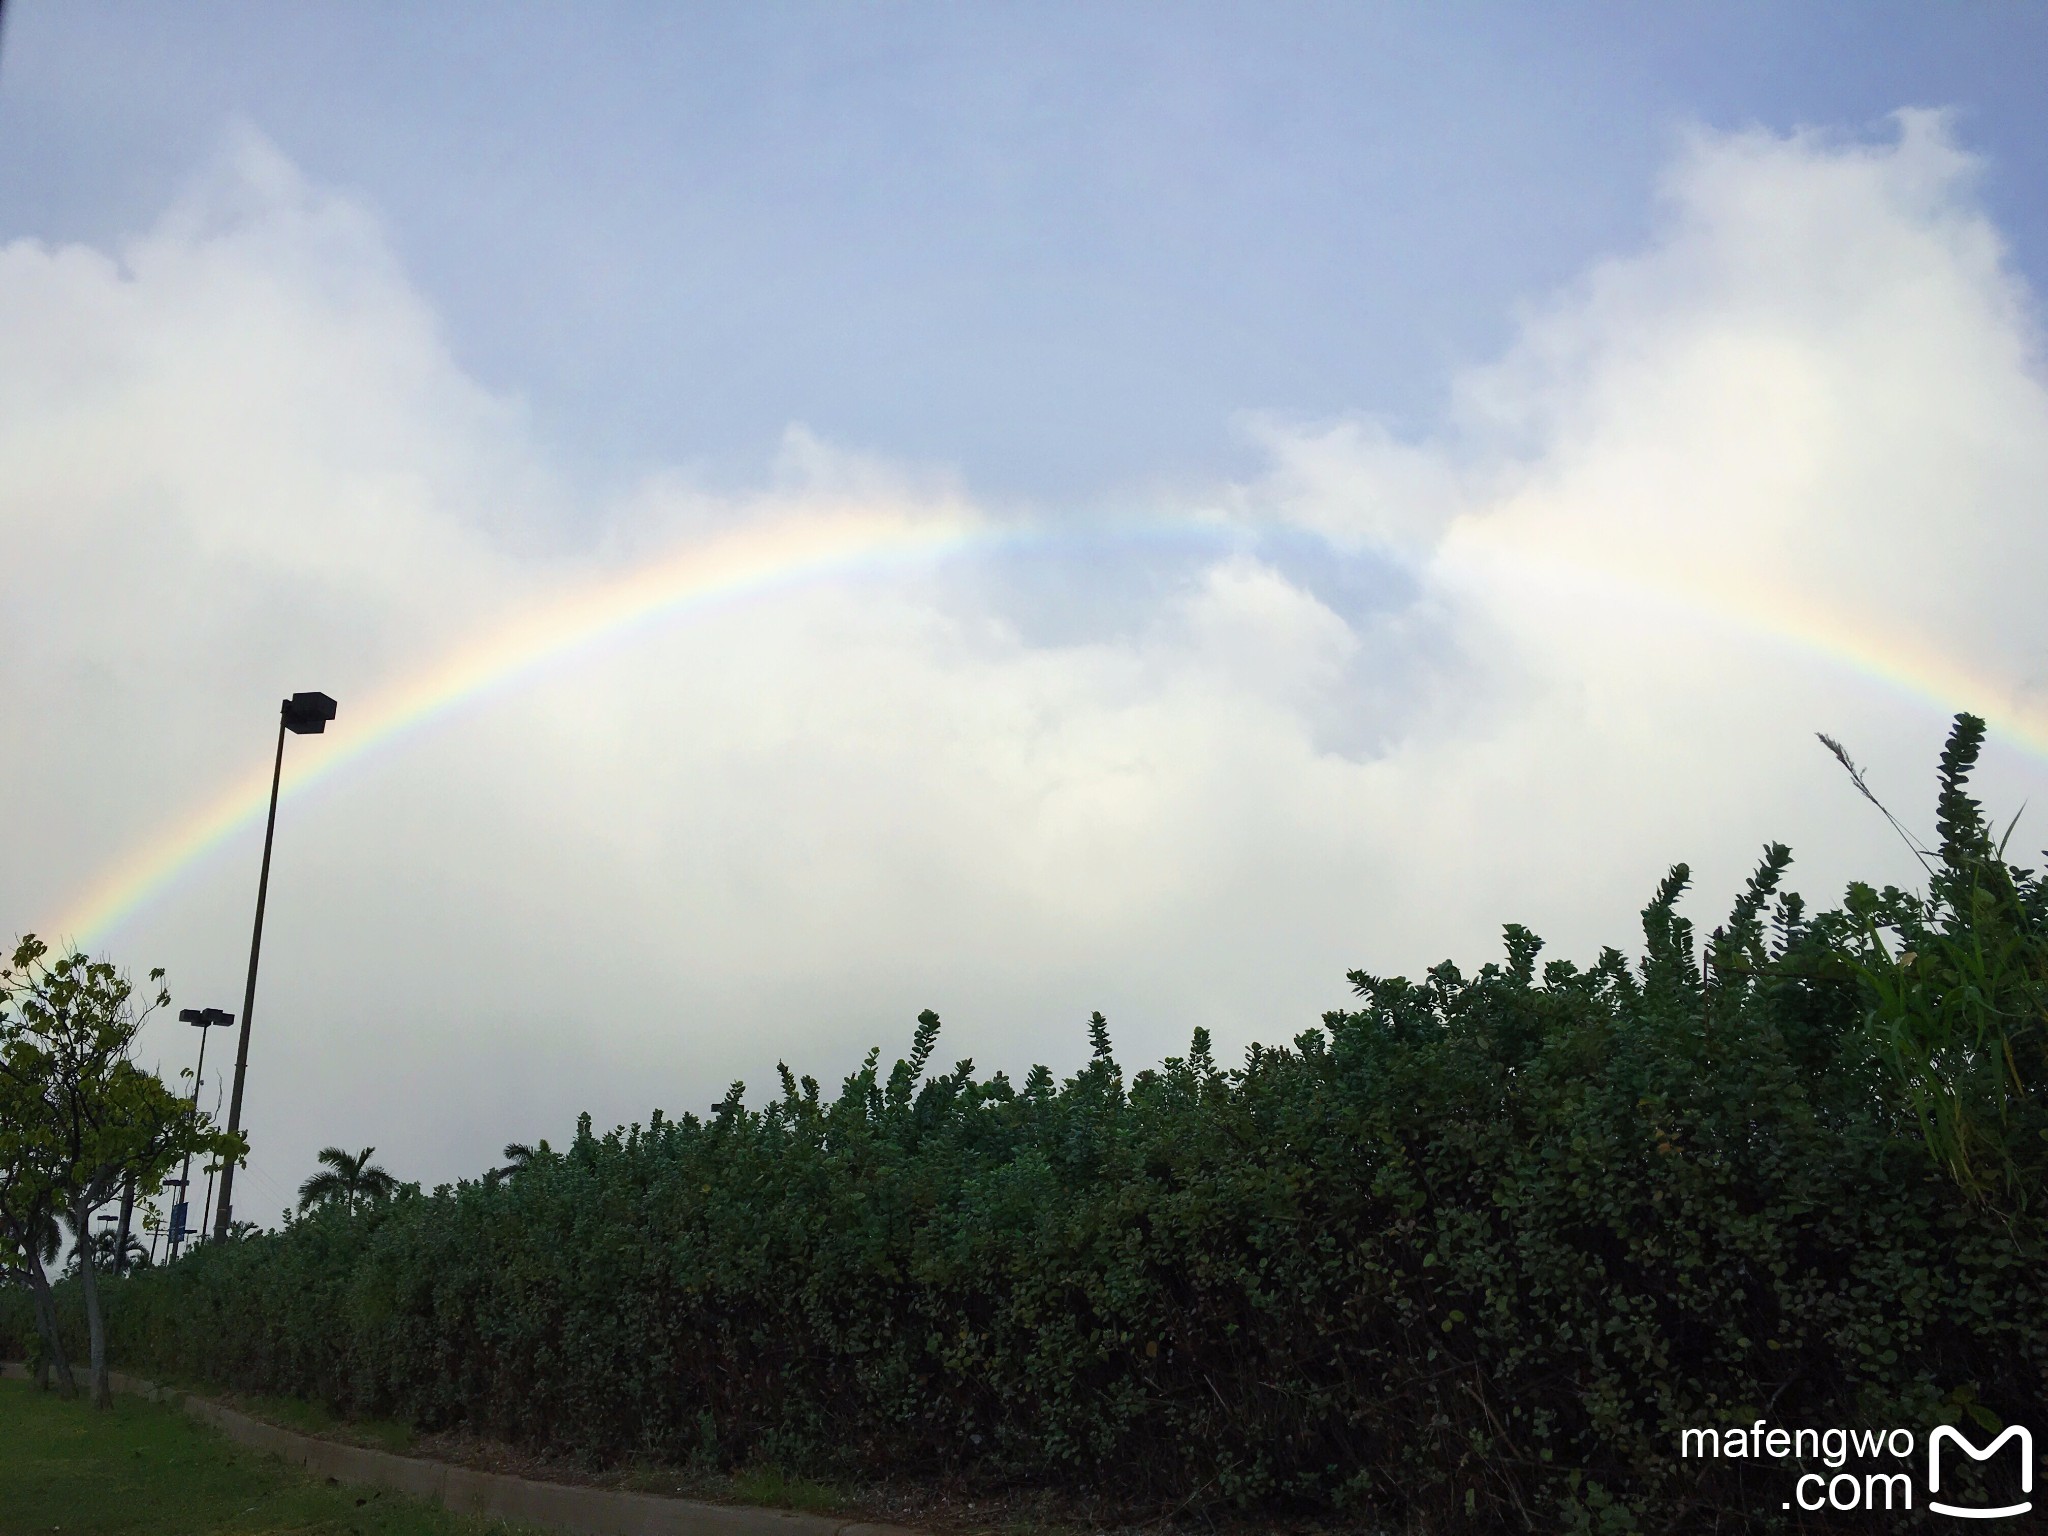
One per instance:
(303, 714)
(201, 1019)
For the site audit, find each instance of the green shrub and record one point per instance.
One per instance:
(1467, 1257)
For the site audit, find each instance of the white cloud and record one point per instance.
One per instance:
(236, 459)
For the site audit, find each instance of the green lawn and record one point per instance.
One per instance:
(146, 1468)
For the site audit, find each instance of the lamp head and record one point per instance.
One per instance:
(192, 1016)
(307, 714)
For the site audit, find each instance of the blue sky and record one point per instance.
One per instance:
(1404, 470)
(1059, 247)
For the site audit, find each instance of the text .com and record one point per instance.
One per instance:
(1851, 1483)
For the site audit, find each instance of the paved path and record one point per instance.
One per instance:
(555, 1506)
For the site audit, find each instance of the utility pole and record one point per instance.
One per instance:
(127, 1216)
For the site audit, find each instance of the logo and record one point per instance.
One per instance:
(1946, 1433)
(1868, 1470)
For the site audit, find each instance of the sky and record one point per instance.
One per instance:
(813, 513)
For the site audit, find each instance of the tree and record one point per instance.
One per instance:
(29, 1236)
(519, 1157)
(1958, 1001)
(79, 1121)
(103, 1245)
(347, 1181)
(29, 1242)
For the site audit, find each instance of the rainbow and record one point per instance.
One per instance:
(1894, 659)
(762, 561)
(749, 564)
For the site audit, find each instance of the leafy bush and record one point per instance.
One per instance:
(1466, 1257)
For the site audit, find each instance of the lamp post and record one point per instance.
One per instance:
(303, 714)
(201, 1019)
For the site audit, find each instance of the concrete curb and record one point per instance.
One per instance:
(556, 1506)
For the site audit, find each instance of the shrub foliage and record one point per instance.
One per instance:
(1468, 1256)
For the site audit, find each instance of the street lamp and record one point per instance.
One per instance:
(303, 714)
(201, 1019)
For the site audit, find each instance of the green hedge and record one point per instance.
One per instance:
(1468, 1257)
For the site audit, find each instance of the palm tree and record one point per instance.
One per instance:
(348, 1180)
(519, 1157)
(103, 1246)
(45, 1349)
(49, 1238)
